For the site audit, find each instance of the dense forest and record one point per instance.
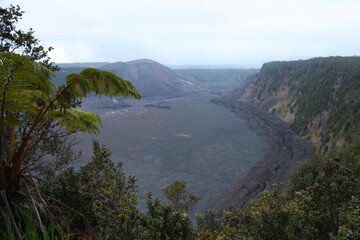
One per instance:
(47, 200)
(319, 97)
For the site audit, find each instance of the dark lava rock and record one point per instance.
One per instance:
(284, 152)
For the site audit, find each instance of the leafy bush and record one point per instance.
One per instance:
(99, 196)
(321, 202)
(163, 221)
(179, 196)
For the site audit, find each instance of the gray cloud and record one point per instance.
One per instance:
(194, 32)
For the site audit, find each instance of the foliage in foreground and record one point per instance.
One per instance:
(28, 229)
(179, 196)
(320, 202)
(29, 101)
(100, 191)
(101, 200)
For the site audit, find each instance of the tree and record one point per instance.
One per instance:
(163, 221)
(34, 114)
(29, 99)
(179, 196)
(332, 190)
(18, 41)
(53, 143)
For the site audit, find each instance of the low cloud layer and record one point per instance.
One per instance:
(246, 33)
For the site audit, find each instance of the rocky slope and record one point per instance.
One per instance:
(292, 103)
(283, 154)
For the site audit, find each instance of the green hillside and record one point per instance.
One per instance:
(319, 97)
(320, 200)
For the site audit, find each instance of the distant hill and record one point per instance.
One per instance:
(229, 75)
(82, 65)
(319, 97)
(152, 78)
(149, 77)
(173, 66)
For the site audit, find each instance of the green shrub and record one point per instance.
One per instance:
(163, 221)
(99, 196)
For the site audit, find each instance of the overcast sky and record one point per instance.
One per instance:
(193, 32)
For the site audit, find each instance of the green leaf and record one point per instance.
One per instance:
(77, 120)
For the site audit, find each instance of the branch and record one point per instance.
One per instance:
(37, 214)
(12, 139)
(43, 199)
(3, 112)
(22, 150)
(86, 221)
(36, 134)
(42, 180)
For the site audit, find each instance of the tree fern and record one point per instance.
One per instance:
(29, 100)
(77, 120)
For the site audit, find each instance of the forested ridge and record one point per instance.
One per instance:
(319, 97)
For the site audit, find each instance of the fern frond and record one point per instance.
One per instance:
(76, 120)
(80, 87)
(20, 73)
(100, 82)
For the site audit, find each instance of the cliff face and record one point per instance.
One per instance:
(318, 97)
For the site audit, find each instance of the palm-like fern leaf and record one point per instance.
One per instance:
(76, 120)
(100, 82)
(28, 100)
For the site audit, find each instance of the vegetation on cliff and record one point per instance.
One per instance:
(319, 97)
